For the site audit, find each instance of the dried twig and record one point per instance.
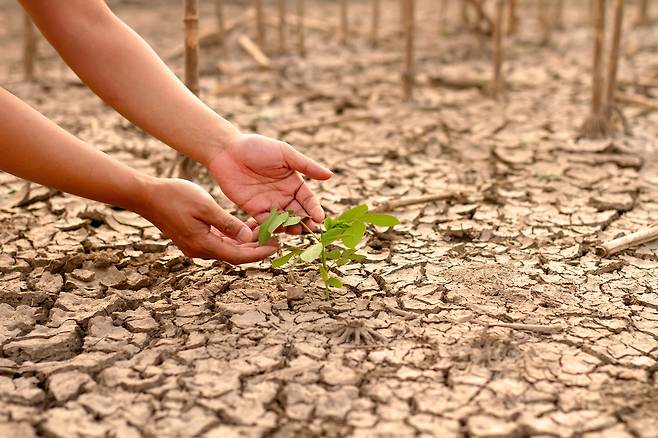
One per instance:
(332, 121)
(631, 99)
(301, 30)
(254, 51)
(283, 26)
(260, 23)
(611, 80)
(408, 76)
(643, 13)
(374, 26)
(537, 328)
(29, 47)
(221, 28)
(630, 240)
(497, 85)
(405, 202)
(344, 22)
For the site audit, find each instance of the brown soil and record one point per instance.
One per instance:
(484, 316)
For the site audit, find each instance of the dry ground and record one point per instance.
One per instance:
(106, 329)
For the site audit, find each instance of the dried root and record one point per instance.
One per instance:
(354, 332)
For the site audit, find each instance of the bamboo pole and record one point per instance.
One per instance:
(408, 77)
(374, 24)
(497, 86)
(630, 240)
(29, 47)
(191, 21)
(301, 29)
(643, 12)
(283, 27)
(611, 82)
(221, 27)
(512, 18)
(596, 125)
(344, 22)
(260, 23)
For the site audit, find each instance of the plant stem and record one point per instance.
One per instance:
(323, 258)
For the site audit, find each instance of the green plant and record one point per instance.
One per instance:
(333, 245)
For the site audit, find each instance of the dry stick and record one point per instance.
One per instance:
(443, 15)
(301, 30)
(537, 328)
(611, 80)
(558, 15)
(344, 22)
(634, 239)
(544, 22)
(191, 21)
(512, 19)
(29, 47)
(643, 13)
(260, 23)
(254, 51)
(465, 21)
(596, 124)
(630, 99)
(221, 28)
(497, 83)
(408, 77)
(333, 121)
(283, 26)
(405, 202)
(374, 24)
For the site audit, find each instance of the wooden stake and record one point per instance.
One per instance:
(301, 29)
(596, 125)
(408, 77)
(283, 26)
(221, 28)
(191, 21)
(344, 22)
(643, 13)
(29, 47)
(497, 87)
(374, 24)
(260, 23)
(611, 80)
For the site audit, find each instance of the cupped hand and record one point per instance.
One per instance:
(191, 218)
(259, 173)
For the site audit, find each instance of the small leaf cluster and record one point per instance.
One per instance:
(335, 243)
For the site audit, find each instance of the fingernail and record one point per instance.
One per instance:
(245, 235)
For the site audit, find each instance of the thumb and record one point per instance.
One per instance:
(227, 224)
(303, 164)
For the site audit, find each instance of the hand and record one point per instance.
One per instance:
(191, 218)
(258, 173)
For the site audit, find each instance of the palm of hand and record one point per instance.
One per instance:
(258, 173)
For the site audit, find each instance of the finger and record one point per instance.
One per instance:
(301, 163)
(230, 251)
(309, 203)
(227, 224)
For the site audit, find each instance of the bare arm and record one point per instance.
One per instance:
(126, 73)
(34, 148)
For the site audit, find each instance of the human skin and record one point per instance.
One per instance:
(255, 172)
(127, 74)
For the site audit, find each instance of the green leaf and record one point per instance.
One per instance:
(312, 252)
(292, 220)
(279, 220)
(353, 235)
(380, 219)
(329, 223)
(333, 255)
(353, 213)
(334, 282)
(331, 236)
(264, 234)
(281, 261)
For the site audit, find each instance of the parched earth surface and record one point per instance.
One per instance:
(486, 314)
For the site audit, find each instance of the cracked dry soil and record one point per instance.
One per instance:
(107, 330)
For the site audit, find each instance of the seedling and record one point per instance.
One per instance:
(332, 246)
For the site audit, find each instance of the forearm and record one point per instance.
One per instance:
(127, 74)
(34, 148)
